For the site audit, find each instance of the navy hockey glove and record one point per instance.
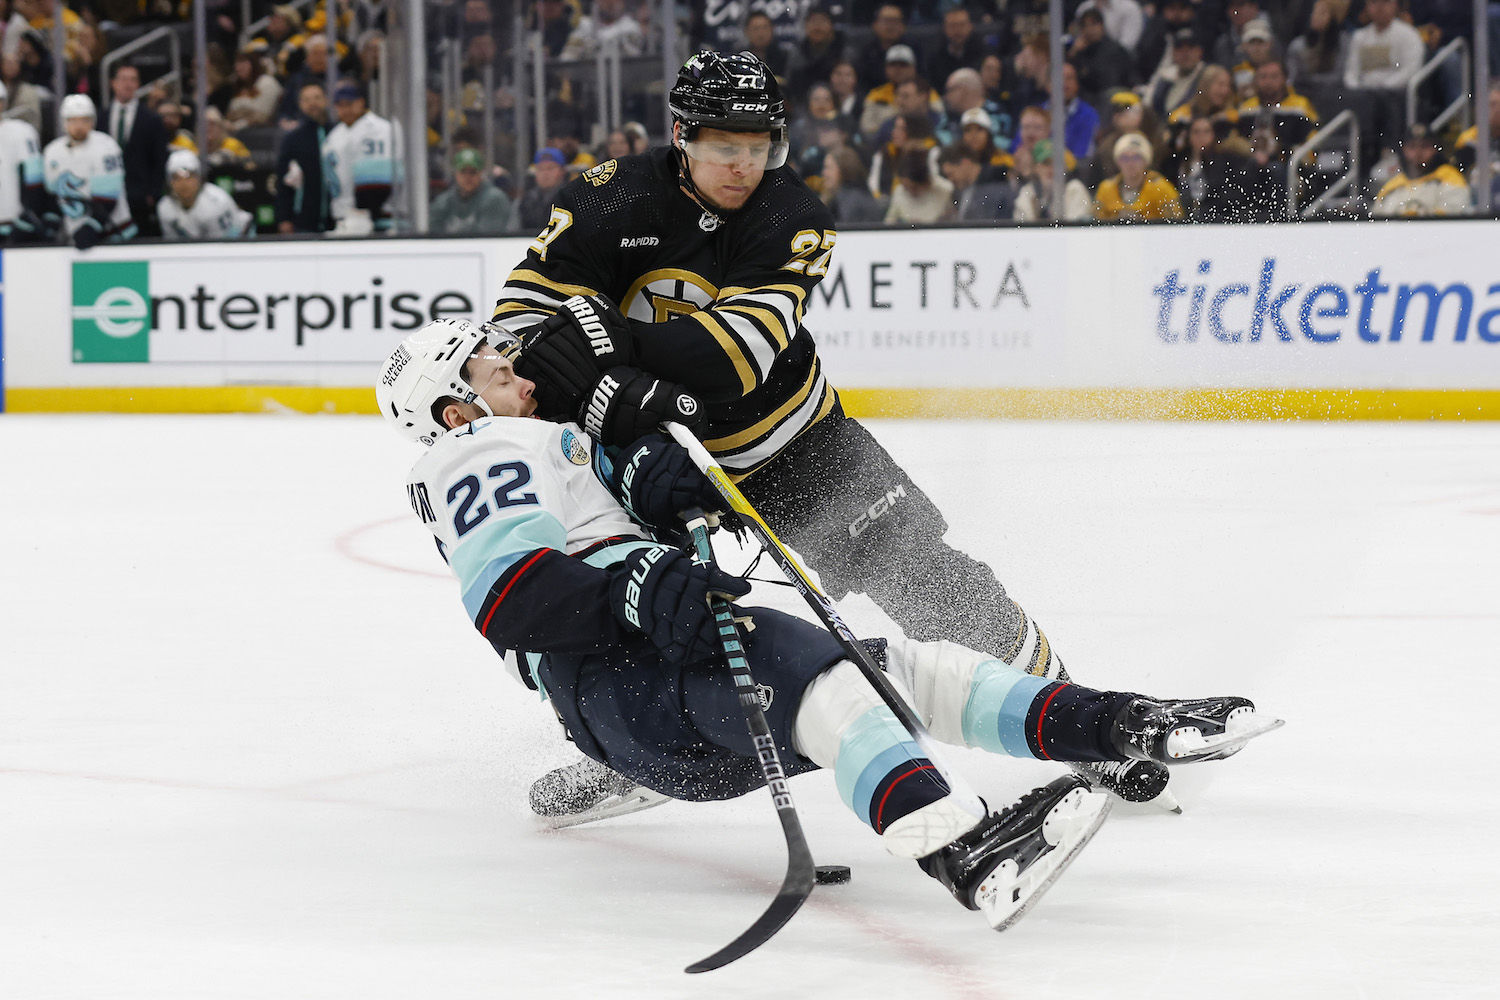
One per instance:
(661, 593)
(88, 235)
(625, 404)
(565, 354)
(659, 481)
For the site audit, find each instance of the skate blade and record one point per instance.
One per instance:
(615, 805)
(1006, 895)
(1188, 744)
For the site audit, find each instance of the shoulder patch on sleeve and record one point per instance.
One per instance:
(600, 174)
(573, 448)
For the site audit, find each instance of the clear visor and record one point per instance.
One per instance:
(500, 347)
(747, 153)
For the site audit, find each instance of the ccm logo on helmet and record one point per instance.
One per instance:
(589, 320)
(879, 507)
(748, 106)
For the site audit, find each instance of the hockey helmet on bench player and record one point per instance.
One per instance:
(427, 367)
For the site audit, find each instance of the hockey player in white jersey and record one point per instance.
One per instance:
(197, 211)
(359, 159)
(565, 561)
(85, 172)
(21, 189)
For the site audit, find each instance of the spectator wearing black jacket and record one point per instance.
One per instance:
(1103, 64)
(961, 47)
(143, 145)
(821, 48)
(301, 195)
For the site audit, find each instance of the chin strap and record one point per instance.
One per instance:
(685, 179)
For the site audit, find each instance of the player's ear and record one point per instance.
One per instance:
(453, 417)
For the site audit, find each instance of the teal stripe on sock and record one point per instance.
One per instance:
(995, 716)
(869, 750)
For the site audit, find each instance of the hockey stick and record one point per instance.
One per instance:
(800, 872)
(828, 614)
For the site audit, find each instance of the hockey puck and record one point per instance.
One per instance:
(833, 874)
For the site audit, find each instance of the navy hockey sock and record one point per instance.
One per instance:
(1071, 723)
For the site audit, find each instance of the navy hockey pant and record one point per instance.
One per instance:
(679, 729)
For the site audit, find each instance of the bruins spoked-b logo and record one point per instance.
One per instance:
(600, 174)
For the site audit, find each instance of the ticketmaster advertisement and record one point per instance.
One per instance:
(1378, 307)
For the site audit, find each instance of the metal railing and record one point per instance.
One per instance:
(249, 30)
(173, 75)
(1350, 178)
(1460, 104)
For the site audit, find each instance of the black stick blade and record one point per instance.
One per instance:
(794, 892)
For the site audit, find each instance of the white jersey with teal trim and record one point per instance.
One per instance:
(214, 216)
(20, 165)
(506, 486)
(358, 155)
(78, 172)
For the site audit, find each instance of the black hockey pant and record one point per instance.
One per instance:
(838, 498)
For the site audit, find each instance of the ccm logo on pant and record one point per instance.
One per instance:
(879, 507)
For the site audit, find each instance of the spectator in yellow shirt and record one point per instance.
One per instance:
(1427, 185)
(1136, 193)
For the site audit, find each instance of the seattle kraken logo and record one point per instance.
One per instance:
(71, 196)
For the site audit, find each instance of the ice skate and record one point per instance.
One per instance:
(588, 791)
(1194, 729)
(1005, 864)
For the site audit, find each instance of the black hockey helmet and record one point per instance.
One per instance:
(735, 93)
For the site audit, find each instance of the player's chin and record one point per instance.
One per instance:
(733, 196)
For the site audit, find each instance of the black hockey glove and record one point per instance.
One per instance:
(565, 354)
(661, 593)
(659, 481)
(625, 404)
(88, 235)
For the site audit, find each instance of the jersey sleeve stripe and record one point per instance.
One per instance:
(773, 321)
(744, 462)
(762, 427)
(484, 628)
(527, 276)
(730, 347)
(757, 341)
(770, 295)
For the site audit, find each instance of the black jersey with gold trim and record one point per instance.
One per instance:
(716, 302)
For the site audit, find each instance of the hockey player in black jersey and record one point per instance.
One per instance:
(672, 285)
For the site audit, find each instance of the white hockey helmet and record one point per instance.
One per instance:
(428, 366)
(78, 106)
(183, 161)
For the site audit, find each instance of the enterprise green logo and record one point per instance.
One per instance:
(111, 311)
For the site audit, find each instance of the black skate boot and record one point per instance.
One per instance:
(588, 791)
(1005, 864)
(1181, 732)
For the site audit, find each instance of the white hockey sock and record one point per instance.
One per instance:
(881, 774)
(965, 697)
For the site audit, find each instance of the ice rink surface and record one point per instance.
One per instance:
(251, 748)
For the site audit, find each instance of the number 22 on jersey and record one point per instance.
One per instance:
(467, 516)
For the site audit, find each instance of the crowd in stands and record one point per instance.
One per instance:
(932, 111)
(1181, 109)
